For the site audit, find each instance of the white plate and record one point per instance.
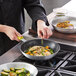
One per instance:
(33, 70)
(72, 20)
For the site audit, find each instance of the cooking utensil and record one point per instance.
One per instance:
(72, 20)
(54, 46)
(33, 70)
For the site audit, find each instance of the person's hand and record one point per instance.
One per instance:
(43, 31)
(11, 32)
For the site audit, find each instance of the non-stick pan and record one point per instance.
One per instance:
(46, 42)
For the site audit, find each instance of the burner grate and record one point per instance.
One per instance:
(48, 67)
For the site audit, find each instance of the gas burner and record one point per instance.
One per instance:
(44, 63)
(70, 64)
(68, 68)
(63, 64)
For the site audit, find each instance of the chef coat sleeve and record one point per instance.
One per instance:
(36, 11)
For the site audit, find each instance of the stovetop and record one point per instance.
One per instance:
(63, 64)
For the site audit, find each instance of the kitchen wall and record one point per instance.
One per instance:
(48, 5)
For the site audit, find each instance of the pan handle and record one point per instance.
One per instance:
(21, 38)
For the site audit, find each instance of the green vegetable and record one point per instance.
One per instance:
(22, 74)
(7, 71)
(41, 41)
(12, 69)
(31, 50)
(42, 50)
(4, 74)
(42, 53)
(60, 15)
(20, 71)
(51, 51)
(15, 72)
(26, 51)
(17, 69)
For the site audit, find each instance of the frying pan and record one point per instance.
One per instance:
(46, 42)
(32, 69)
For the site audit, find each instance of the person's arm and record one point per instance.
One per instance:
(35, 9)
(38, 15)
(43, 31)
(11, 32)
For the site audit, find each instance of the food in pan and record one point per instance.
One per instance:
(65, 24)
(39, 51)
(15, 72)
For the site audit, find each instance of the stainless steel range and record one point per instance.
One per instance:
(63, 64)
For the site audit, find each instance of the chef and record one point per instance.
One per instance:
(12, 21)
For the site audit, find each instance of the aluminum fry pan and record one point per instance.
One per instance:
(46, 42)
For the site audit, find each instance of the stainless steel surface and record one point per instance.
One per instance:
(32, 69)
(10, 55)
(72, 20)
